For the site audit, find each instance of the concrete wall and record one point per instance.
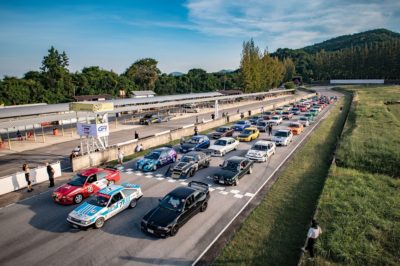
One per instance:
(162, 138)
(17, 181)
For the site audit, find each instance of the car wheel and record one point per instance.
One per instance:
(174, 230)
(236, 183)
(99, 223)
(207, 164)
(78, 198)
(133, 203)
(111, 182)
(203, 206)
(250, 171)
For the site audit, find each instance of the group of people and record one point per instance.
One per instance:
(50, 171)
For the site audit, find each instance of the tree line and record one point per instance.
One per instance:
(54, 83)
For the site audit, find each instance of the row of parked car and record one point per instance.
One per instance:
(178, 206)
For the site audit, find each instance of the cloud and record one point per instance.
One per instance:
(291, 23)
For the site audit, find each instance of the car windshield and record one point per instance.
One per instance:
(78, 180)
(152, 155)
(247, 132)
(221, 129)
(241, 122)
(187, 159)
(281, 134)
(303, 118)
(173, 203)
(285, 113)
(194, 140)
(260, 147)
(231, 166)
(261, 124)
(275, 118)
(100, 200)
(295, 125)
(295, 109)
(220, 142)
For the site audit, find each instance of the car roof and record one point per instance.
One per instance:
(236, 159)
(90, 171)
(263, 142)
(226, 138)
(192, 153)
(182, 192)
(294, 123)
(111, 190)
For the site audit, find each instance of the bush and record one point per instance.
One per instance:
(289, 85)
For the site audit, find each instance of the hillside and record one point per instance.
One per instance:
(354, 40)
(366, 55)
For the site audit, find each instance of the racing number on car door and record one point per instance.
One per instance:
(90, 184)
(115, 204)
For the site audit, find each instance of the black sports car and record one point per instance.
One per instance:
(175, 209)
(232, 170)
(190, 163)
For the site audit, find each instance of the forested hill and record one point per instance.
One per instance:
(361, 39)
(366, 55)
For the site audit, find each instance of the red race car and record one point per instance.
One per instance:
(84, 184)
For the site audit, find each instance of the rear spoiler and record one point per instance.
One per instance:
(199, 185)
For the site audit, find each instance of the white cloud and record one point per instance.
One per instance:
(291, 23)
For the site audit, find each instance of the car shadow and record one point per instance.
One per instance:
(51, 217)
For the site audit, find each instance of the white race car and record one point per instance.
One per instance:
(105, 204)
(223, 145)
(261, 151)
(283, 137)
(275, 120)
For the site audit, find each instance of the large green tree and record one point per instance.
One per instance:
(144, 73)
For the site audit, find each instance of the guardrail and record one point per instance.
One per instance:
(17, 181)
(161, 138)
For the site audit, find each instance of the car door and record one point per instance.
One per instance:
(189, 210)
(90, 185)
(101, 181)
(115, 205)
(163, 158)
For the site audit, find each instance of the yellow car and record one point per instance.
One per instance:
(248, 134)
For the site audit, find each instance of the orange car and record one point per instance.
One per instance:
(296, 128)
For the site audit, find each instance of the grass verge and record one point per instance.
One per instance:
(276, 229)
(359, 208)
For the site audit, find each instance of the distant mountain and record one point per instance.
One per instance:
(225, 71)
(354, 40)
(176, 74)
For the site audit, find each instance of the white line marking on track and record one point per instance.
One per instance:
(211, 189)
(160, 178)
(261, 187)
(223, 192)
(171, 180)
(234, 191)
(139, 174)
(239, 196)
(249, 194)
(148, 176)
(159, 175)
(184, 183)
(220, 188)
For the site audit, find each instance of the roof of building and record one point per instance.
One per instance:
(143, 93)
(81, 98)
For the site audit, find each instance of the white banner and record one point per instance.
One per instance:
(92, 130)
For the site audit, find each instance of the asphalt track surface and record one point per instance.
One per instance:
(10, 164)
(35, 231)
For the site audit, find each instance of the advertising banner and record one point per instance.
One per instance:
(91, 107)
(92, 130)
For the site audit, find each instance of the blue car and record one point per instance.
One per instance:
(241, 124)
(156, 159)
(195, 143)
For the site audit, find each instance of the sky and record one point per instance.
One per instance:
(180, 35)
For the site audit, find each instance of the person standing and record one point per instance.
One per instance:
(227, 117)
(241, 115)
(196, 130)
(312, 235)
(136, 135)
(120, 156)
(197, 119)
(25, 168)
(269, 129)
(50, 172)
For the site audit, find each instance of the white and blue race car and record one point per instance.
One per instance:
(105, 204)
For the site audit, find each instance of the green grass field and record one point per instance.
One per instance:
(359, 208)
(276, 229)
